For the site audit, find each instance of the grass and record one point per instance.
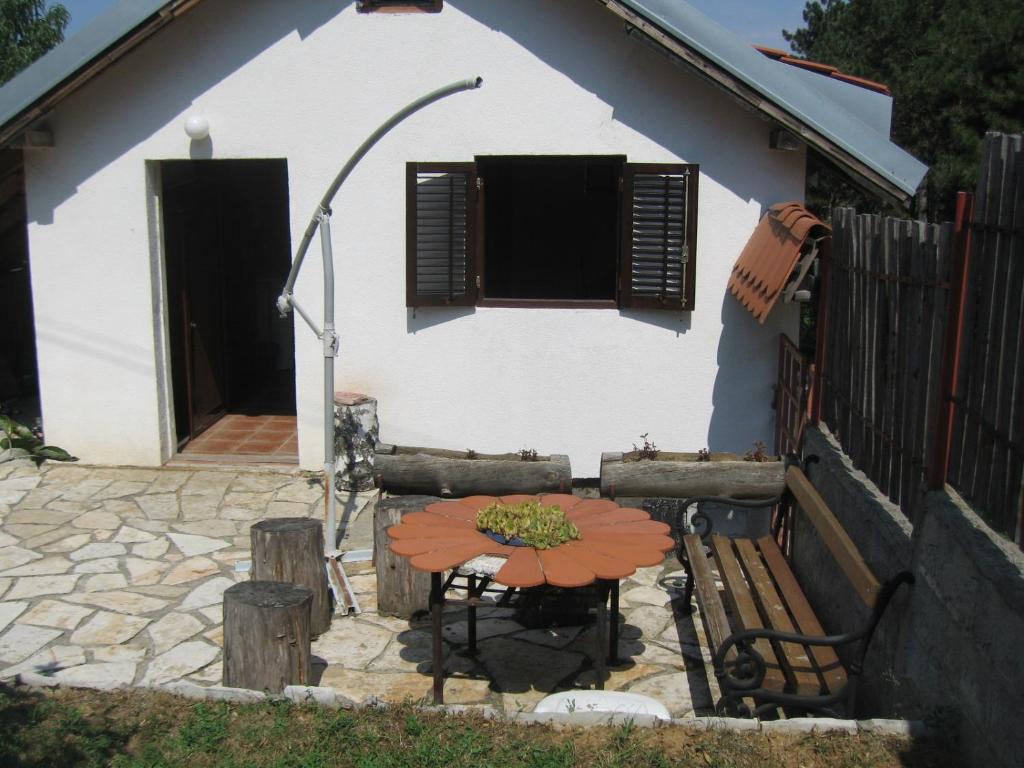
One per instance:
(150, 730)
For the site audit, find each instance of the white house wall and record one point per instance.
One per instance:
(308, 82)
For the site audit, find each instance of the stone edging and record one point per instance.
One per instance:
(329, 697)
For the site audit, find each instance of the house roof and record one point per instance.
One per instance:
(818, 114)
(771, 255)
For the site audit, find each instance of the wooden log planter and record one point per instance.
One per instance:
(401, 469)
(682, 475)
(402, 591)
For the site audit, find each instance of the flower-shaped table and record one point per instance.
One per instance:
(614, 541)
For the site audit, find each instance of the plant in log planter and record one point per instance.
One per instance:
(439, 472)
(647, 471)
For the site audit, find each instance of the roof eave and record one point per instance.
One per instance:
(872, 178)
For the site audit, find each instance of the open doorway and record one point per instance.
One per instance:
(227, 252)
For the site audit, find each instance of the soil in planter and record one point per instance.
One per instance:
(694, 457)
(406, 450)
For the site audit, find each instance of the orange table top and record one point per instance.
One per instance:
(614, 541)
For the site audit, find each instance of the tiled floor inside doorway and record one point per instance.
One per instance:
(272, 438)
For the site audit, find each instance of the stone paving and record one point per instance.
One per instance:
(112, 577)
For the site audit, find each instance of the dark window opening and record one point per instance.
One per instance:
(550, 227)
(429, 6)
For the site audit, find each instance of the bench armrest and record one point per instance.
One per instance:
(705, 521)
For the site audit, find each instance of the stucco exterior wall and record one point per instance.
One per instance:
(307, 81)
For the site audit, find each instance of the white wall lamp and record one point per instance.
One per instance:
(197, 127)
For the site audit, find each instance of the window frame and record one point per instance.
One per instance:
(400, 6)
(475, 256)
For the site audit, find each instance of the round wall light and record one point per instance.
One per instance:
(197, 127)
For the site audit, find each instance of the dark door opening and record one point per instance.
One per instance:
(550, 226)
(228, 251)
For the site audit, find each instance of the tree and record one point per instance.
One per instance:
(956, 70)
(28, 29)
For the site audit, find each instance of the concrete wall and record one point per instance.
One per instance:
(950, 647)
(308, 81)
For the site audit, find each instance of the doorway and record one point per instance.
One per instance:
(227, 252)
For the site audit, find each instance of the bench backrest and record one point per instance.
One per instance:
(835, 537)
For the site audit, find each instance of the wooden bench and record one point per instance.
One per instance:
(770, 647)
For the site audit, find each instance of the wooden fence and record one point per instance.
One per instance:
(792, 392)
(987, 456)
(921, 346)
(887, 296)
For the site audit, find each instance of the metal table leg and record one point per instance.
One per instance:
(436, 606)
(471, 615)
(613, 626)
(600, 626)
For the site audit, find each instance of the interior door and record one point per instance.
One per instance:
(192, 221)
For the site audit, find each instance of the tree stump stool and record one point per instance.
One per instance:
(292, 549)
(266, 635)
(401, 589)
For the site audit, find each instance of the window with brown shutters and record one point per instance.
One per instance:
(659, 232)
(441, 205)
(573, 231)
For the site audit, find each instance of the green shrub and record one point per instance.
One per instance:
(538, 526)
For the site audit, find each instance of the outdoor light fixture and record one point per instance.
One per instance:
(197, 127)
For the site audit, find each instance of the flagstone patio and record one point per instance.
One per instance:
(114, 577)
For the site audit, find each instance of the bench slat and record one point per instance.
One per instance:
(836, 539)
(744, 610)
(828, 663)
(704, 582)
(803, 675)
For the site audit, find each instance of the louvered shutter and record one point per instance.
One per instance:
(441, 206)
(659, 234)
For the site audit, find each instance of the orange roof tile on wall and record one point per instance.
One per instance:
(824, 69)
(771, 254)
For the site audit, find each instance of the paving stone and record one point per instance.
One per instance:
(123, 602)
(56, 614)
(300, 491)
(93, 551)
(103, 582)
(101, 535)
(151, 550)
(396, 687)
(364, 583)
(102, 565)
(68, 543)
(22, 640)
(240, 541)
(41, 517)
(259, 483)
(11, 496)
(37, 586)
(122, 474)
(103, 677)
(144, 572)
(215, 635)
(73, 508)
(647, 622)
(156, 527)
(458, 632)
(161, 590)
(207, 593)
(646, 596)
(129, 535)
(4, 584)
(108, 628)
(290, 508)
(120, 489)
(191, 569)
(38, 498)
(196, 545)
(48, 566)
(680, 692)
(85, 490)
(214, 528)
(181, 660)
(48, 661)
(199, 507)
(159, 506)
(554, 637)
(214, 613)
(22, 483)
(353, 645)
(9, 612)
(173, 629)
(168, 480)
(618, 677)
(212, 673)
(232, 556)
(254, 501)
(212, 484)
(118, 653)
(97, 519)
(126, 509)
(12, 557)
(6, 540)
(388, 622)
(28, 530)
(516, 666)
(241, 515)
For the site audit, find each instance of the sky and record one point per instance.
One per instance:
(757, 21)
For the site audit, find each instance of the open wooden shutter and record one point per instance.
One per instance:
(659, 236)
(440, 236)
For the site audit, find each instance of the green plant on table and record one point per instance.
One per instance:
(537, 525)
(19, 442)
